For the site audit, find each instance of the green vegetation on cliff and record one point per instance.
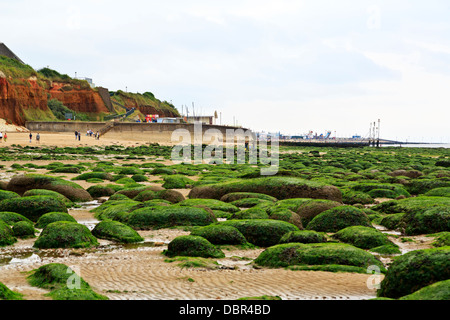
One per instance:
(146, 103)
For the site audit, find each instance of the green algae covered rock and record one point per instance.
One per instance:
(116, 231)
(219, 234)
(159, 217)
(338, 218)
(7, 237)
(63, 234)
(210, 203)
(24, 230)
(8, 195)
(49, 193)
(33, 207)
(63, 282)
(12, 217)
(298, 254)
(51, 217)
(363, 237)
(303, 236)
(193, 246)
(437, 291)
(277, 187)
(415, 270)
(262, 232)
(432, 220)
(8, 294)
(22, 183)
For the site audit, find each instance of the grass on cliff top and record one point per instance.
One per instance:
(15, 69)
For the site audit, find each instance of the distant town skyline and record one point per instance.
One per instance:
(287, 66)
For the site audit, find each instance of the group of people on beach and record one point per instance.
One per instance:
(89, 133)
(38, 138)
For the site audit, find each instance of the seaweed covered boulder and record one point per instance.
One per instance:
(177, 182)
(338, 218)
(172, 196)
(193, 246)
(12, 217)
(63, 234)
(438, 192)
(159, 217)
(100, 191)
(310, 209)
(428, 221)
(7, 237)
(284, 214)
(235, 196)
(33, 207)
(396, 189)
(363, 237)
(412, 205)
(210, 203)
(251, 213)
(393, 221)
(22, 183)
(219, 234)
(262, 232)
(8, 294)
(8, 195)
(49, 193)
(249, 202)
(63, 283)
(421, 186)
(51, 217)
(434, 292)
(303, 236)
(94, 175)
(116, 231)
(415, 270)
(24, 230)
(116, 209)
(413, 174)
(277, 187)
(351, 197)
(318, 254)
(135, 191)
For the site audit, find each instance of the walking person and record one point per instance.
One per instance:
(31, 137)
(38, 138)
(76, 135)
(79, 136)
(6, 137)
(1, 137)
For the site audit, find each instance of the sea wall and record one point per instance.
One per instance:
(149, 132)
(63, 126)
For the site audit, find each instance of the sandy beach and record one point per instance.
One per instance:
(140, 272)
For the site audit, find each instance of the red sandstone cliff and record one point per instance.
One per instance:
(78, 99)
(14, 98)
(19, 96)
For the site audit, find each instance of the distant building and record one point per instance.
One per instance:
(5, 51)
(89, 80)
(201, 119)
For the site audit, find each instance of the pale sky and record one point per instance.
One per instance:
(289, 66)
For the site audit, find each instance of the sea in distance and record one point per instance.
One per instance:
(420, 145)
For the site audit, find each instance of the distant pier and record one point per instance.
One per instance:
(339, 143)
